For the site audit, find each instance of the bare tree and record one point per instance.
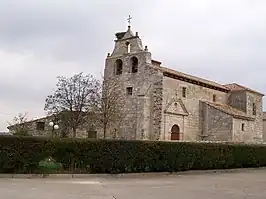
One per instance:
(110, 110)
(72, 99)
(19, 125)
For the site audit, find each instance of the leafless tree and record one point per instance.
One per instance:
(19, 125)
(73, 99)
(109, 111)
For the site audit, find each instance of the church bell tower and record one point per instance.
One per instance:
(128, 54)
(127, 63)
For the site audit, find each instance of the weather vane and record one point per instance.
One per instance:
(129, 20)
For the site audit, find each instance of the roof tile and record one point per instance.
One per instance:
(229, 110)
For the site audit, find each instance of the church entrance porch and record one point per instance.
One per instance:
(175, 132)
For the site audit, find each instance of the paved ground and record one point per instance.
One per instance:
(238, 185)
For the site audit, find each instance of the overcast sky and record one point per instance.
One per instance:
(222, 40)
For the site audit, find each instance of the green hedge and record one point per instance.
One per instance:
(22, 155)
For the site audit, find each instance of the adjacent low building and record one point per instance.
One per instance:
(41, 127)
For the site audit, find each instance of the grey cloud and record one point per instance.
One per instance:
(20, 93)
(64, 30)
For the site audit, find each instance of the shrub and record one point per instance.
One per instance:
(23, 154)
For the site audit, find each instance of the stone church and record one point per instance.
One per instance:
(164, 104)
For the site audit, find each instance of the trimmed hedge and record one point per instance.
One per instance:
(23, 154)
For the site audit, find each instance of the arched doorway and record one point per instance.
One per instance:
(175, 132)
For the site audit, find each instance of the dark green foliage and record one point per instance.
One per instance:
(23, 154)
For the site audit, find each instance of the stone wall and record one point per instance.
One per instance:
(33, 130)
(238, 100)
(156, 110)
(195, 93)
(135, 124)
(217, 125)
(244, 101)
(242, 130)
(264, 127)
(257, 133)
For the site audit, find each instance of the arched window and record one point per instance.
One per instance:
(134, 64)
(118, 67)
(128, 47)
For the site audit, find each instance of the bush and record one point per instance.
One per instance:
(23, 154)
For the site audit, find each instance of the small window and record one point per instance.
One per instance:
(254, 109)
(242, 127)
(129, 90)
(214, 98)
(40, 126)
(118, 67)
(184, 92)
(134, 64)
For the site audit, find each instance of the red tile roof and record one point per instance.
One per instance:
(212, 83)
(229, 110)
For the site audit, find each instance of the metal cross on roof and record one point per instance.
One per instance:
(129, 20)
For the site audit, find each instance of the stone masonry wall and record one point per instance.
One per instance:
(195, 93)
(243, 100)
(238, 100)
(257, 134)
(264, 130)
(146, 95)
(131, 103)
(156, 110)
(47, 131)
(245, 134)
(151, 95)
(31, 127)
(218, 126)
